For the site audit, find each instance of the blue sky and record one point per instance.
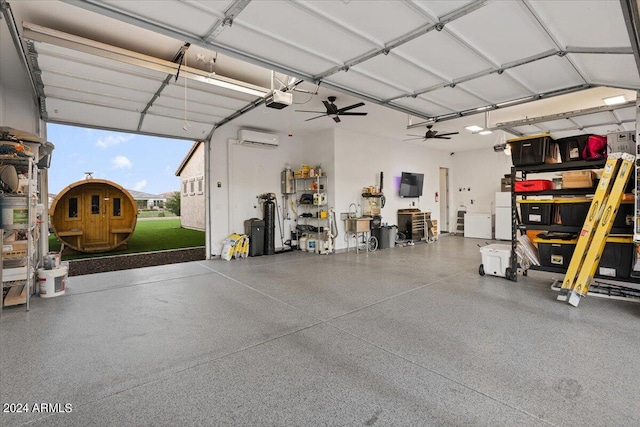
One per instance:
(137, 162)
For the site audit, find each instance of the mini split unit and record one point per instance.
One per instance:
(257, 138)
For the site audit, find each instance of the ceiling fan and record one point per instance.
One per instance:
(432, 134)
(333, 111)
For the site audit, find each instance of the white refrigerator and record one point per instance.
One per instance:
(503, 216)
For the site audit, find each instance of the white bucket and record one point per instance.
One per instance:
(53, 283)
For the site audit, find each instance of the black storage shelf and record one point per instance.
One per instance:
(561, 270)
(559, 167)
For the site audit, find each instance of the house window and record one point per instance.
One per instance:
(117, 207)
(185, 191)
(95, 204)
(200, 185)
(73, 207)
(192, 187)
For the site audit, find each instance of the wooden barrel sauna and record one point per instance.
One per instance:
(93, 215)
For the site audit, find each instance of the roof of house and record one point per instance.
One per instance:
(186, 159)
(139, 195)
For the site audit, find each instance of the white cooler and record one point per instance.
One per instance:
(495, 260)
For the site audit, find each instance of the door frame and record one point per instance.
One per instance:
(444, 200)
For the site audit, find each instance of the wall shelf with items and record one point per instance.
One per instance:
(312, 206)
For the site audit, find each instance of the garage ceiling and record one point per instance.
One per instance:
(433, 60)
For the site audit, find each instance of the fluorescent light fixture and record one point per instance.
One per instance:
(614, 100)
(485, 132)
(474, 128)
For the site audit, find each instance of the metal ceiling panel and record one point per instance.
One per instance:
(56, 80)
(628, 113)
(495, 88)
(62, 59)
(600, 23)
(161, 125)
(176, 92)
(385, 21)
(61, 110)
(422, 105)
(175, 14)
(299, 27)
(504, 31)
(608, 70)
(595, 119)
(358, 82)
(454, 98)
(295, 58)
(193, 116)
(604, 129)
(528, 129)
(93, 98)
(395, 70)
(439, 8)
(567, 133)
(444, 55)
(547, 74)
(556, 125)
(629, 126)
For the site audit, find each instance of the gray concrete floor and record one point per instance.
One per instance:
(403, 336)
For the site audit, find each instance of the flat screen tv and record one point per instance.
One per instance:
(411, 184)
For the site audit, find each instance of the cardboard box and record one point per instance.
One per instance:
(578, 179)
(621, 142)
(505, 184)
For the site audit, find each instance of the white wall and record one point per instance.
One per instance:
(245, 172)
(359, 159)
(481, 171)
(192, 205)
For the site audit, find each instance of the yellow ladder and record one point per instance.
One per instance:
(596, 228)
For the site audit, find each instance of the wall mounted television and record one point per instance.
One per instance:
(411, 184)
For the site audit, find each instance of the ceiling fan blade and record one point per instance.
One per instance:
(413, 139)
(336, 119)
(327, 105)
(316, 117)
(351, 107)
(421, 136)
(353, 114)
(441, 137)
(309, 111)
(448, 133)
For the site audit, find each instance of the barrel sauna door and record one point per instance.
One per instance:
(96, 231)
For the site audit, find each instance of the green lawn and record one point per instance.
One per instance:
(148, 236)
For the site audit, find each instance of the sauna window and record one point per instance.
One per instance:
(95, 204)
(73, 207)
(117, 207)
(185, 192)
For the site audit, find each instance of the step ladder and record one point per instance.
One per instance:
(593, 237)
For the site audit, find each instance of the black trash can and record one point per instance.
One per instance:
(386, 236)
(254, 228)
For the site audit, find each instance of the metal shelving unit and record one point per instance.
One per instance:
(20, 265)
(521, 172)
(317, 206)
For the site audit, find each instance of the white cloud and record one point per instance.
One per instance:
(121, 162)
(138, 186)
(110, 140)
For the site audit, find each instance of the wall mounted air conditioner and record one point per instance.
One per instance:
(257, 139)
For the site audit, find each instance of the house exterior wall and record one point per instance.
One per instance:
(192, 194)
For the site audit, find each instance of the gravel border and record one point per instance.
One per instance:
(81, 267)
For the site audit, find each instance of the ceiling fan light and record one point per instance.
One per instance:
(473, 128)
